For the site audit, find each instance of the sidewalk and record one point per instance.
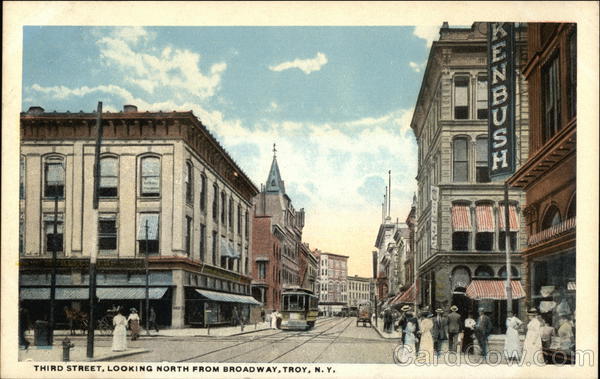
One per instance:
(78, 353)
(219, 331)
(394, 335)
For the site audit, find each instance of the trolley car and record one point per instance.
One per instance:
(300, 308)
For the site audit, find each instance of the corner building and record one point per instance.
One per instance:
(168, 192)
(459, 236)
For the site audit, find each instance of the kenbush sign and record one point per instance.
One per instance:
(501, 99)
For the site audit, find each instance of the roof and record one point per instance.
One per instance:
(274, 181)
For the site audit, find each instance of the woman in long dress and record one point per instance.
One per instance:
(134, 324)
(410, 339)
(532, 346)
(512, 344)
(120, 333)
(426, 345)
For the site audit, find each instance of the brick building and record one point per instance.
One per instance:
(333, 282)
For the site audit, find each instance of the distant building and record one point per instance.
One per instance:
(278, 253)
(359, 290)
(168, 191)
(333, 282)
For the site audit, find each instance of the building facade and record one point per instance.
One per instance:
(549, 175)
(278, 259)
(359, 290)
(333, 282)
(459, 220)
(168, 192)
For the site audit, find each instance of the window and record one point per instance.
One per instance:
(482, 100)
(262, 270)
(22, 178)
(231, 213)
(188, 235)
(461, 160)
(148, 237)
(461, 98)
(572, 210)
(551, 98)
(21, 233)
(223, 206)
(202, 242)
(460, 241)
(247, 225)
(215, 204)
(150, 176)
(514, 272)
(484, 241)
(53, 241)
(202, 192)
(551, 218)
(54, 178)
(108, 177)
(482, 169)
(572, 74)
(230, 264)
(223, 261)
(246, 264)
(513, 241)
(214, 247)
(484, 272)
(107, 233)
(189, 180)
(239, 220)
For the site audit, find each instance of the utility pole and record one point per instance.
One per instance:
(147, 312)
(93, 257)
(507, 250)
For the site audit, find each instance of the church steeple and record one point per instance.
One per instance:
(274, 181)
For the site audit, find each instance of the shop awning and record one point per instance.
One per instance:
(43, 293)
(493, 290)
(571, 286)
(461, 218)
(228, 297)
(512, 218)
(408, 296)
(485, 218)
(129, 293)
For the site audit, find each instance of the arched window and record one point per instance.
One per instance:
(189, 180)
(150, 177)
(572, 210)
(481, 164)
(461, 97)
(109, 177)
(484, 272)
(514, 272)
(460, 160)
(551, 218)
(54, 177)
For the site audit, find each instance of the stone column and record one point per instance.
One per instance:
(178, 301)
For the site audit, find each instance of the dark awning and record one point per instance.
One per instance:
(228, 297)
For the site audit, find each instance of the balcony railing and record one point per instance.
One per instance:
(552, 232)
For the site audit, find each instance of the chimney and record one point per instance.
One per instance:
(128, 108)
(35, 110)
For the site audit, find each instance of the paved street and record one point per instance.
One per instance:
(332, 340)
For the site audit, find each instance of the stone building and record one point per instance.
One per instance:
(333, 282)
(278, 257)
(549, 175)
(459, 230)
(168, 192)
(359, 290)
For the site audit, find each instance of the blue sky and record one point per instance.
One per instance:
(336, 100)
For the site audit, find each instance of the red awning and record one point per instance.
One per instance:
(407, 296)
(512, 218)
(461, 218)
(485, 218)
(494, 289)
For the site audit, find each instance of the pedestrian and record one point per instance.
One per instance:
(533, 340)
(546, 333)
(387, 320)
(152, 320)
(467, 340)
(454, 328)
(565, 334)
(274, 319)
(262, 314)
(426, 350)
(411, 327)
(440, 331)
(119, 342)
(236, 316)
(134, 324)
(483, 328)
(512, 343)
(24, 325)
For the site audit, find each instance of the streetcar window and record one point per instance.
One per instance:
(286, 303)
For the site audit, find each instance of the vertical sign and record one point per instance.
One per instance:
(501, 99)
(435, 195)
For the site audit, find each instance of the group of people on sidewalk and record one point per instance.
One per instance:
(121, 323)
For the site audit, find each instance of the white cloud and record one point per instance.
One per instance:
(306, 65)
(417, 67)
(429, 33)
(171, 68)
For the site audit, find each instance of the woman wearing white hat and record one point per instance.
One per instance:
(512, 344)
(119, 342)
(532, 347)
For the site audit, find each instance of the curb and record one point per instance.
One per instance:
(385, 337)
(119, 355)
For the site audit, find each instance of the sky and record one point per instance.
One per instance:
(337, 101)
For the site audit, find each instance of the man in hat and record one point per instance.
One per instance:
(483, 328)
(403, 319)
(439, 332)
(454, 327)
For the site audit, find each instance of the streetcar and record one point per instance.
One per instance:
(299, 309)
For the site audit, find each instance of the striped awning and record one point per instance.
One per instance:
(512, 218)
(553, 231)
(494, 290)
(62, 293)
(129, 293)
(407, 296)
(571, 286)
(228, 297)
(485, 218)
(461, 218)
